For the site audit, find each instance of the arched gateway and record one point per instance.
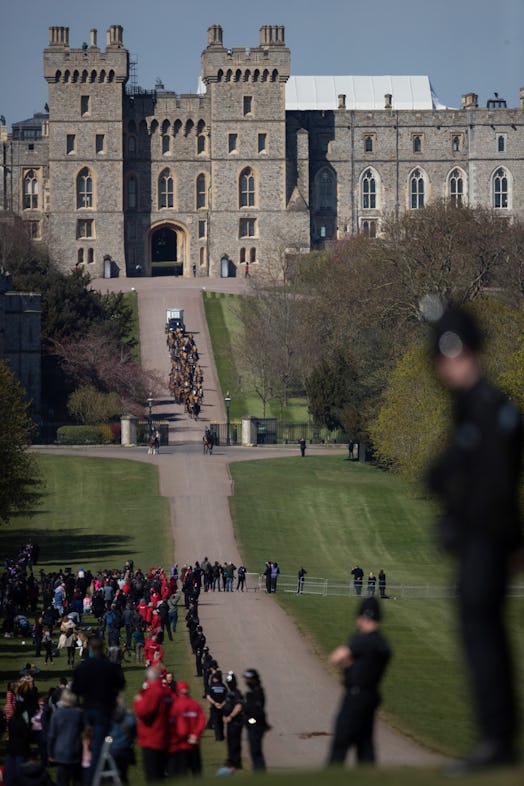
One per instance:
(167, 250)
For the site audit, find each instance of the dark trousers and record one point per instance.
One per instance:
(217, 723)
(185, 761)
(255, 734)
(354, 727)
(154, 762)
(100, 722)
(69, 774)
(234, 744)
(166, 626)
(483, 575)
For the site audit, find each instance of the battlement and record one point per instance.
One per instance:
(269, 62)
(87, 63)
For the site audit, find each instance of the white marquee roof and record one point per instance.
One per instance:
(362, 92)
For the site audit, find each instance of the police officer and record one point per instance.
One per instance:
(364, 659)
(216, 696)
(477, 479)
(255, 717)
(234, 719)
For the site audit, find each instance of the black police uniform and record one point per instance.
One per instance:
(477, 479)
(256, 724)
(354, 725)
(234, 728)
(217, 691)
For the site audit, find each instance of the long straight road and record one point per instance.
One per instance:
(244, 630)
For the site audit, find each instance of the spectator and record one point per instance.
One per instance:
(152, 707)
(186, 726)
(64, 740)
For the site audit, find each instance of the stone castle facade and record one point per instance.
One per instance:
(127, 181)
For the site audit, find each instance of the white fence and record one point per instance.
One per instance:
(314, 585)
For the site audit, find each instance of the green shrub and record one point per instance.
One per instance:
(85, 435)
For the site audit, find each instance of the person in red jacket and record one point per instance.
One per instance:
(187, 722)
(153, 651)
(152, 706)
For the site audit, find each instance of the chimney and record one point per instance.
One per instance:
(341, 101)
(59, 36)
(93, 38)
(214, 35)
(470, 101)
(388, 101)
(522, 97)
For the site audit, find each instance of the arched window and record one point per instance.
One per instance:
(456, 144)
(166, 190)
(201, 191)
(131, 145)
(416, 188)
(84, 189)
(132, 193)
(80, 256)
(500, 190)
(326, 190)
(456, 188)
(166, 143)
(247, 188)
(417, 144)
(369, 190)
(90, 256)
(30, 190)
(501, 144)
(201, 143)
(242, 255)
(252, 255)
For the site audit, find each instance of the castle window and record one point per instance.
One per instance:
(165, 143)
(85, 105)
(417, 144)
(262, 143)
(80, 256)
(90, 256)
(131, 230)
(252, 255)
(166, 190)
(456, 188)
(232, 142)
(326, 192)
(202, 255)
(501, 144)
(30, 190)
(456, 144)
(417, 190)
(201, 191)
(70, 143)
(247, 227)
(85, 228)
(500, 190)
(247, 188)
(131, 146)
(248, 105)
(32, 229)
(369, 191)
(368, 144)
(100, 142)
(242, 255)
(369, 228)
(84, 189)
(202, 227)
(132, 193)
(201, 143)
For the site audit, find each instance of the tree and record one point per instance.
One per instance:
(19, 478)
(335, 394)
(88, 405)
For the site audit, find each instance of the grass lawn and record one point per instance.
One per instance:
(96, 514)
(225, 330)
(328, 514)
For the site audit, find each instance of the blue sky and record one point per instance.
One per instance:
(463, 45)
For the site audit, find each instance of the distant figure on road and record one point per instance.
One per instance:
(382, 583)
(364, 659)
(358, 577)
(372, 584)
(302, 444)
(477, 479)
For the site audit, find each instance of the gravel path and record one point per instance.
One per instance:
(243, 629)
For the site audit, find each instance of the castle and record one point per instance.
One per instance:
(256, 163)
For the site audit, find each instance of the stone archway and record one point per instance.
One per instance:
(167, 249)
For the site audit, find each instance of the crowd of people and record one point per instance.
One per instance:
(186, 378)
(101, 622)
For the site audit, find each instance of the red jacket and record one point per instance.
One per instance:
(186, 717)
(153, 651)
(151, 708)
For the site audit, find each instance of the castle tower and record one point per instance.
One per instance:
(246, 87)
(86, 90)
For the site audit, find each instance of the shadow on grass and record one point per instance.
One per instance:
(63, 546)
